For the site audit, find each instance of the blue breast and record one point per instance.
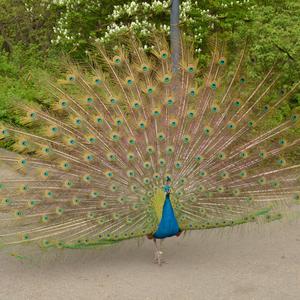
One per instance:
(168, 225)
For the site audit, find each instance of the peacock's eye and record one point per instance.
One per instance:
(282, 142)
(191, 114)
(294, 118)
(129, 81)
(142, 125)
(164, 54)
(214, 108)
(192, 92)
(231, 125)
(150, 150)
(90, 157)
(6, 201)
(178, 165)
(186, 139)
(117, 60)
(146, 180)
(150, 90)
(170, 102)
(109, 174)
(87, 178)
(190, 69)
(115, 137)
(250, 123)
(24, 143)
(119, 122)
(162, 162)
(113, 101)
(167, 79)
(130, 173)
(161, 137)
(136, 105)
(156, 176)
(147, 165)
(145, 68)
(173, 123)
(199, 158)
(99, 120)
(213, 86)
(4, 132)
(71, 77)
(131, 141)
(237, 103)
(202, 173)
(130, 156)
(222, 61)
(266, 108)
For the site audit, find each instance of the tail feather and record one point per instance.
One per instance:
(90, 167)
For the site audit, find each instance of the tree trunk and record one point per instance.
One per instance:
(175, 35)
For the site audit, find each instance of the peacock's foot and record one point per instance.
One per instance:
(158, 258)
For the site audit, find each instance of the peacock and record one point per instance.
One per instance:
(141, 143)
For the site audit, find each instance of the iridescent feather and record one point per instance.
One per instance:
(92, 169)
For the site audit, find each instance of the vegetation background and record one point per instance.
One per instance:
(35, 34)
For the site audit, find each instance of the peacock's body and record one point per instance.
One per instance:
(94, 167)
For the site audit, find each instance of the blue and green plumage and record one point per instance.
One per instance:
(91, 168)
(168, 225)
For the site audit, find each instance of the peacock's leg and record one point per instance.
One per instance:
(157, 252)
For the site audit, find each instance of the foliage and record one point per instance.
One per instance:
(26, 22)
(33, 34)
(198, 18)
(20, 72)
(273, 37)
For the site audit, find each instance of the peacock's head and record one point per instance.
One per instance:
(167, 187)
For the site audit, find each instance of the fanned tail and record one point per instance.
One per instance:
(92, 167)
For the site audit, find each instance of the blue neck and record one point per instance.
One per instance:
(168, 225)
